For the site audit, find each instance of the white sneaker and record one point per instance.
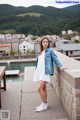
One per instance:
(42, 107)
(39, 105)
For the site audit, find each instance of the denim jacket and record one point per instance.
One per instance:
(50, 59)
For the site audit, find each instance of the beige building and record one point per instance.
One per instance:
(14, 44)
(5, 49)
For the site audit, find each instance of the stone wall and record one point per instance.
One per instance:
(67, 86)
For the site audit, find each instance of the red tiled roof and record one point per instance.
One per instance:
(4, 45)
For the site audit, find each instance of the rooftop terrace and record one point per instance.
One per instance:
(21, 98)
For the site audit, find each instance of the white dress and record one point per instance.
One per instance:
(40, 70)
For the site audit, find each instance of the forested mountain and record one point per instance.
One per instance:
(39, 20)
(75, 8)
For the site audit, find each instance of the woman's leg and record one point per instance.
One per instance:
(42, 91)
(45, 91)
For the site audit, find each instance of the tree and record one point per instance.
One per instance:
(28, 51)
(19, 52)
(32, 52)
(12, 52)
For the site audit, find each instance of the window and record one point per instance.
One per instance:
(66, 42)
(1, 51)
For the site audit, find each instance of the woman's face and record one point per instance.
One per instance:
(45, 43)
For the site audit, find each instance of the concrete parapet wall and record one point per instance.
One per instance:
(67, 85)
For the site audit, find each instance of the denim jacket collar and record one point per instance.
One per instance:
(47, 49)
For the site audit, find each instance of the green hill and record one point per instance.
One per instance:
(39, 20)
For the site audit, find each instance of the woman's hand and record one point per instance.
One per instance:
(63, 68)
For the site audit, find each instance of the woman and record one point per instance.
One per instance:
(45, 68)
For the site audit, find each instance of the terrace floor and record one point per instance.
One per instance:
(21, 98)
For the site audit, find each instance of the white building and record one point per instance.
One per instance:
(18, 36)
(69, 32)
(2, 36)
(22, 36)
(77, 37)
(25, 46)
(8, 36)
(59, 43)
(63, 32)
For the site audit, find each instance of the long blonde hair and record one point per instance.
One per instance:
(41, 47)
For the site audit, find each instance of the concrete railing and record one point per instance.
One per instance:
(67, 85)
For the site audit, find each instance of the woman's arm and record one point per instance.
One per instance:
(55, 59)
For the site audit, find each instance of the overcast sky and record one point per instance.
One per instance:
(45, 3)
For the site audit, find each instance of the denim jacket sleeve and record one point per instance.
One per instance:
(55, 59)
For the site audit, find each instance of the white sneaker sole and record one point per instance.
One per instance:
(41, 110)
(40, 106)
